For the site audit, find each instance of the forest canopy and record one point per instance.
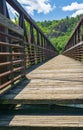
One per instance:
(59, 31)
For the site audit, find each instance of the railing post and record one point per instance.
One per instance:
(21, 21)
(32, 41)
(38, 38)
(82, 30)
(79, 34)
(22, 25)
(31, 34)
(40, 55)
(42, 47)
(75, 38)
(3, 7)
(3, 10)
(37, 49)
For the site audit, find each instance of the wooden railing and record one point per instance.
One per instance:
(19, 49)
(74, 47)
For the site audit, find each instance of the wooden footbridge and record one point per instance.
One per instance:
(39, 89)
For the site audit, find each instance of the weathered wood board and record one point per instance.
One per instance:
(60, 80)
(42, 121)
(10, 25)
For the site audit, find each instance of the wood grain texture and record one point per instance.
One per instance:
(10, 25)
(60, 80)
(42, 121)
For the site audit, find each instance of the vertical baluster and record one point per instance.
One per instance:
(79, 34)
(75, 38)
(32, 47)
(82, 29)
(3, 10)
(37, 49)
(42, 47)
(22, 25)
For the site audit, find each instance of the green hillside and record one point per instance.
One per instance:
(59, 31)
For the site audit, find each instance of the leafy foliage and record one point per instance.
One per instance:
(59, 31)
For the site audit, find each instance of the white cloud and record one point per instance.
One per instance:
(41, 6)
(78, 7)
(78, 12)
(73, 6)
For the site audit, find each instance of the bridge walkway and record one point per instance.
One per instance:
(59, 80)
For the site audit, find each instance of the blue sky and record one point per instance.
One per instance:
(41, 10)
(57, 13)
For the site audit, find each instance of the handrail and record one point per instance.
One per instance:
(74, 47)
(19, 50)
(7, 23)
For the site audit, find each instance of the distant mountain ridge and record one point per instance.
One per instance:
(59, 31)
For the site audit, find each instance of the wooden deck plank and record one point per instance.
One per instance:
(58, 80)
(42, 121)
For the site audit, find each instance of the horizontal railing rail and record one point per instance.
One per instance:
(74, 47)
(20, 47)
